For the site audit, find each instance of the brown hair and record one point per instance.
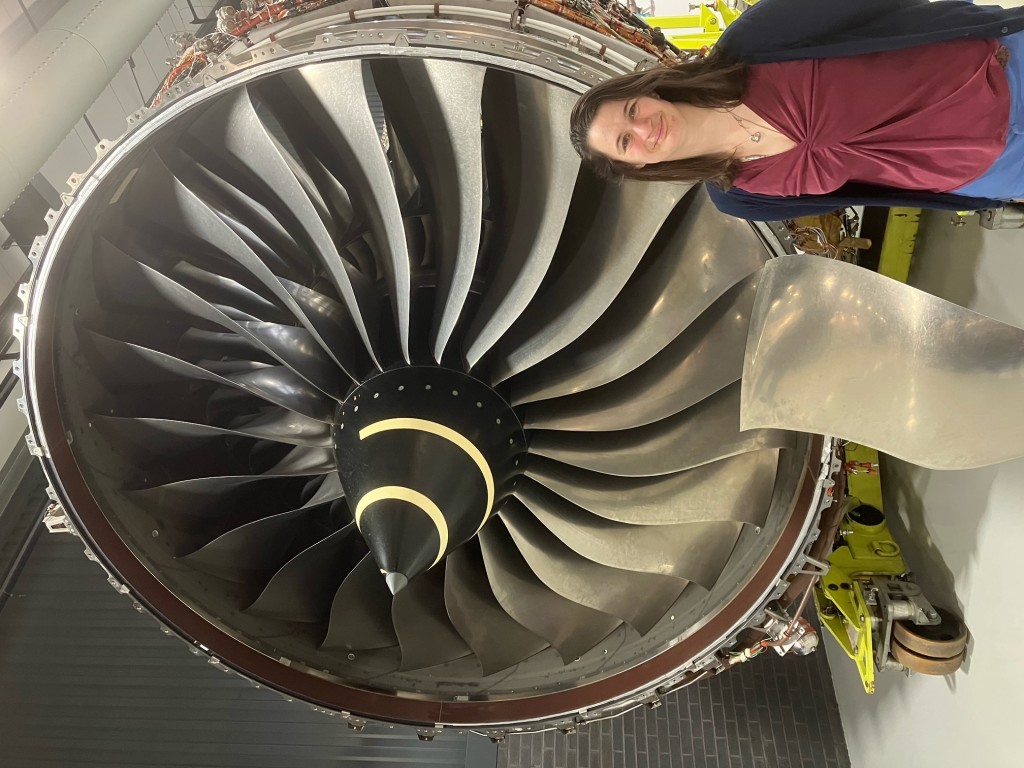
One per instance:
(714, 82)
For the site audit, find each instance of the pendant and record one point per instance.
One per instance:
(755, 137)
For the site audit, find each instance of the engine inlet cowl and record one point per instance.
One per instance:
(349, 372)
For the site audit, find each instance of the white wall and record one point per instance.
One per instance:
(962, 534)
(124, 95)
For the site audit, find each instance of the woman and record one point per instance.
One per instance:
(807, 106)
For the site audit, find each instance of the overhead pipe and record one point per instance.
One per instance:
(49, 83)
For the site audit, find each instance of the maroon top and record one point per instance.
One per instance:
(931, 118)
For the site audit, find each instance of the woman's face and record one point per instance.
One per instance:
(637, 131)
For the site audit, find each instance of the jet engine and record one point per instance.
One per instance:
(346, 370)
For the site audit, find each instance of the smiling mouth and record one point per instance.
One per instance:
(661, 131)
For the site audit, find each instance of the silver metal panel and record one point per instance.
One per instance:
(707, 254)
(704, 433)
(839, 350)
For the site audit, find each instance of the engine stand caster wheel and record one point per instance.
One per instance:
(926, 665)
(944, 640)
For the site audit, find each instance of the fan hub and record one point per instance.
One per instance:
(425, 454)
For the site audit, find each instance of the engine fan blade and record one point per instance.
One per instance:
(498, 640)
(571, 628)
(303, 587)
(186, 211)
(694, 551)
(676, 281)
(256, 550)
(244, 136)
(435, 109)
(738, 488)
(276, 385)
(603, 261)
(609, 590)
(819, 325)
(704, 433)
(702, 360)
(275, 424)
(334, 99)
(361, 611)
(421, 622)
(534, 198)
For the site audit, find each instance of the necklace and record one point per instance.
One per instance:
(755, 136)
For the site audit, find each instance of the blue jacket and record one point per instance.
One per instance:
(788, 30)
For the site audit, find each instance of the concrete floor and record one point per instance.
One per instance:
(960, 532)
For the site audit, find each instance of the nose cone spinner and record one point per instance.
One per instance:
(424, 455)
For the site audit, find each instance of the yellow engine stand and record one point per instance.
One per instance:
(867, 550)
(704, 27)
